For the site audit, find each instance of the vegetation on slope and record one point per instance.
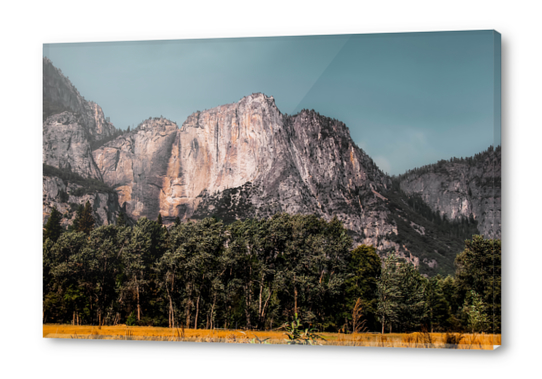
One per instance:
(257, 274)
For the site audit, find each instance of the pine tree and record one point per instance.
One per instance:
(412, 303)
(177, 221)
(475, 310)
(53, 229)
(77, 219)
(86, 223)
(437, 309)
(159, 220)
(121, 219)
(388, 293)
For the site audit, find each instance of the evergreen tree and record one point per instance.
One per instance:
(437, 307)
(86, 222)
(159, 220)
(411, 304)
(475, 310)
(177, 221)
(78, 215)
(53, 229)
(121, 219)
(389, 293)
(479, 270)
(365, 266)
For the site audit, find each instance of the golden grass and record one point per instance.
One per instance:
(415, 340)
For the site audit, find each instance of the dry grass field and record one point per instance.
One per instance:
(416, 340)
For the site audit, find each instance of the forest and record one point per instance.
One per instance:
(257, 274)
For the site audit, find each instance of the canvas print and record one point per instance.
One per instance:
(315, 190)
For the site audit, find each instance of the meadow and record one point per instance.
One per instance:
(148, 333)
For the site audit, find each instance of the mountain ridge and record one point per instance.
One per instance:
(246, 160)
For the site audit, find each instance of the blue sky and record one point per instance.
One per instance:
(409, 99)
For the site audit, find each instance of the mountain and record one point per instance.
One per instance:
(59, 95)
(71, 126)
(462, 188)
(247, 159)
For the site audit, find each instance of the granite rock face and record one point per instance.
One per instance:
(462, 188)
(63, 196)
(70, 125)
(60, 95)
(136, 163)
(66, 145)
(248, 160)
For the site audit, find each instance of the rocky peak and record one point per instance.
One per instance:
(157, 125)
(247, 159)
(66, 146)
(60, 95)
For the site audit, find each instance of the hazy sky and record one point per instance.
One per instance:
(408, 99)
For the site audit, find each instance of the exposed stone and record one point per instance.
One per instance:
(247, 159)
(136, 164)
(60, 95)
(57, 194)
(462, 188)
(66, 146)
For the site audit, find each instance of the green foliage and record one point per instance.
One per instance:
(84, 221)
(53, 229)
(121, 219)
(389, 293)
(252, 274)
(131, 320)
(413, 300)
(299, 336)
(365, 267)
(441, 235)
(475, 309)
(479, 270)
(437, 310)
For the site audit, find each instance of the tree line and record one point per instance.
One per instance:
(255, 274)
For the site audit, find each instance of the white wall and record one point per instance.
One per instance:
(25, 26)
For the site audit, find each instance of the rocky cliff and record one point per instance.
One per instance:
(66, 145)
(67, 197)
(247, 159)
(70, 125)
(136, 163)
(59, 95)
(461, 189)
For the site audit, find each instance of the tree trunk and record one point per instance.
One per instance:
(383, 323)
(197, 312)
(264, 307)
(295, 297)
(170, 311)
(188, 306)
(213, 311)
(260, 303)
(138, 307)
(247, 306)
